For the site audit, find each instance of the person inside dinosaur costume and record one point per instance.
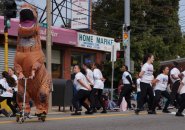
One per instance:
(29, 62)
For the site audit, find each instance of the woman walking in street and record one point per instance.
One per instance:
(6, 85)
(127, 87)
(161, 89)
(83, 91)
(98, 88)
(174, 76)
(181, 91)
(147, 77)
(11, 72)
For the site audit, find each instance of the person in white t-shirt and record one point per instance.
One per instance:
(138, 81)
(127, 87)
(181, 91)
(98, 88)
(6, 85)
(89, 74)
(83, 91)
(147, 77)
(174, 76)
(161, 88)
(11, 72)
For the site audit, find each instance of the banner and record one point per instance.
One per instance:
(80, 14)
(95, 42)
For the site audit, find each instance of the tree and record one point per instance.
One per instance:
(154, 27)
(1, 7)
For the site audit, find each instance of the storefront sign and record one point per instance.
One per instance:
(95, 42)
(59, 35)
(80, 14)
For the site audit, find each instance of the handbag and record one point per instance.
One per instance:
(123, 105)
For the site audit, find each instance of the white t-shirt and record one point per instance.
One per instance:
(16, 80)
(138, 85)
(98, 83)
(162, 82)
(182, 91)
(78, 76)
(6, 86)
(148, 73)
(183, 74)
(125, 80)
(90, 76)
(176, 73)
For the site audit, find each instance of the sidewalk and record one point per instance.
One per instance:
(54, 110)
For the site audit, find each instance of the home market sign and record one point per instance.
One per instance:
(95, 42)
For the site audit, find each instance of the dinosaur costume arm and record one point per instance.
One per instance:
(18, 68)
(38, 64)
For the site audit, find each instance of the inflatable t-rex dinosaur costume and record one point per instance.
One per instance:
(29, 62)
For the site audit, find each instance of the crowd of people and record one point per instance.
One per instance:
(168, 84)
(89, 83)
(89, 86)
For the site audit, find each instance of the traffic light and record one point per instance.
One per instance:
(120, 54)
(10, 9)
(125, 35)
(126, 29)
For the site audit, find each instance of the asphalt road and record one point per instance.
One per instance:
(110, 121)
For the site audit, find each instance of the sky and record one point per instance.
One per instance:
(42, 3)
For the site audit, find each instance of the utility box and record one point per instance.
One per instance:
(63, 93)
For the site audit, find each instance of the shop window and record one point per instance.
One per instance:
(56, 63)
(76, 59)
(56, 70)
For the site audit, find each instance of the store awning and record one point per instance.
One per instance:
(59, 35)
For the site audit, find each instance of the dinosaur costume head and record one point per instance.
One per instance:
(28, 21)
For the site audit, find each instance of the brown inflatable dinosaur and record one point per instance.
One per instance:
(29, 62)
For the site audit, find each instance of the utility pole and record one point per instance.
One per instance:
(112, 80)
(6, 46)
(48, 46)
(127, 24)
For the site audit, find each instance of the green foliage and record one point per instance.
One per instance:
(1, 7)
(156, 32)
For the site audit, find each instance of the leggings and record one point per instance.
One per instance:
(9, 100)
(158, 94)
(146, 91)
(79, 99)
(182, 104)
(97, 93)
(125, 92)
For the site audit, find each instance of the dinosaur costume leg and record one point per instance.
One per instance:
(42, 101)
(20, 96)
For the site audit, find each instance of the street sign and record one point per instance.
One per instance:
(44, 25)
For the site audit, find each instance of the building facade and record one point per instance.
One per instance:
(69, 48)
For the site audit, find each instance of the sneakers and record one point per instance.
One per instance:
(179, 114)
(152, 112)
(76, 113)
(12, 115)
(89, 112)
(94, 110)
(166, 111)
(104, 111)
(4, 112)
(137, 111)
